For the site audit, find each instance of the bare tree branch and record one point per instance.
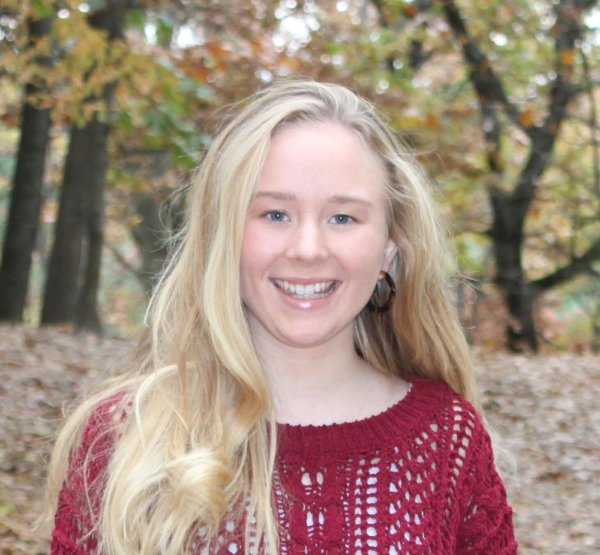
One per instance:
(126, 264)
(568, 31)
(592, 123)
(579, 265)
(487, 83)
(417, 54)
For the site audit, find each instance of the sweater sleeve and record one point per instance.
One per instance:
(80, 498)
(487, 524)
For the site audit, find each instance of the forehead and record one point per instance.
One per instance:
(320, 157)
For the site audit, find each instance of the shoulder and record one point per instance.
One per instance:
(100, 433)
(447, 407)
(109, 412)
(81, 494)
(455, 425)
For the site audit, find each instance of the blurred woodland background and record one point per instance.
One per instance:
(106, 107)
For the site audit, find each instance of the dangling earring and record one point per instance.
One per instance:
(376, 303)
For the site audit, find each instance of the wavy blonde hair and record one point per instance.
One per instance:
(198, 444)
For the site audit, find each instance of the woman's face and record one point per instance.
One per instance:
(315, 237)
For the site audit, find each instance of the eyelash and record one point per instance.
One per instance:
(271, 216)
(278, 216)
(347, 219)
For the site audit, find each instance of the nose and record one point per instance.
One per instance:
(308, 243)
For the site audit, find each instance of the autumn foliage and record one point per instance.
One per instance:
(498, 100)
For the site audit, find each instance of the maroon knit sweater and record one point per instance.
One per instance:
(418, 478)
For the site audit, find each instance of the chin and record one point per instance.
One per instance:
(306, 340)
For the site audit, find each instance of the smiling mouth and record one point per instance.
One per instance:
(306, 291)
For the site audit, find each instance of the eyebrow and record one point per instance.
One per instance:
(348, 199)
(336, 199)
(273, 194)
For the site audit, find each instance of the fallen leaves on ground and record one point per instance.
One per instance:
(544, 411)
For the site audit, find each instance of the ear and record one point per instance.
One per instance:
(389, 253)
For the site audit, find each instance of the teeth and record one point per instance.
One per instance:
(305, 291)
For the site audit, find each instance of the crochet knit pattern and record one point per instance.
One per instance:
(418, 478)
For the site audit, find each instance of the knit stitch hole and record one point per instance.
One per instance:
(309, 519)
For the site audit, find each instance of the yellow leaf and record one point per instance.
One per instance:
(567, 57)
(432, 121)
(526, 118)
(410, 10)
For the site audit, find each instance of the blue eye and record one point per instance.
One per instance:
(276, 216)
(342, 219)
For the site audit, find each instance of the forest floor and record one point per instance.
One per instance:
(544, 409)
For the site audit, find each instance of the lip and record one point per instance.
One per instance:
(306, 289)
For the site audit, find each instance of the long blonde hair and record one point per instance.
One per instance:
(197, 445)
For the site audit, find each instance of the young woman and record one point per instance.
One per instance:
(305, 386)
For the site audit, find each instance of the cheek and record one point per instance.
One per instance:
(258, 250)
(366, 253)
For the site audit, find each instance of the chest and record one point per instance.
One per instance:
(393, 503)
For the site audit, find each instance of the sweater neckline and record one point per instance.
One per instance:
(374, 432)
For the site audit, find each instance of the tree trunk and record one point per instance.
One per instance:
(150, 238)
(86, 312)
(73, 280)
(157, 223)
(507, 237)
(62, 279)
(26, 199)
(510, 210)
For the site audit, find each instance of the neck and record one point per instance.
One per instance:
(323, 384)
